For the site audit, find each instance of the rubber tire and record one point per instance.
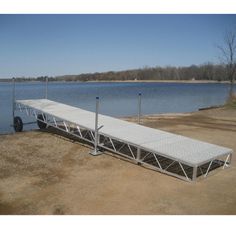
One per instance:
(40, 123)
(18, 124)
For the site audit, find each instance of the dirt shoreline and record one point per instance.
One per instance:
(45, 173)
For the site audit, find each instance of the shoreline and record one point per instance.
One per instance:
(130, 81)
(162, 81)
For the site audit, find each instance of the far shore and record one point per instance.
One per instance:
(128, 81)
(162, 81)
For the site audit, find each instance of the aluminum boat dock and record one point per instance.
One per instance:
(175, 155)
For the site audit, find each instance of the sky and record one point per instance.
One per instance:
(39, 45)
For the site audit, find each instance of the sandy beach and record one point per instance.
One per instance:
(45, 173)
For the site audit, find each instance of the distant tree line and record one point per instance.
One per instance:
(207, 71)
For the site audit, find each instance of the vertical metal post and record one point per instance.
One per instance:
(96, 126)
(46, 95)
(138, 157)
(230, 158)
(139, 107)
(13, 100)
(46, 88)
(95, 152)
(138, 153)
(194, 177)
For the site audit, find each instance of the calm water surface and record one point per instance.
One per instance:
(116, 99)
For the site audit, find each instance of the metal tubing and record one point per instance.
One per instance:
(131, 151)
(201, 170)
(96, 126)
(112, 144)
(138, 154)
(95, 151)
(183, 171)
(194, 177)
(208, 169)
(146, 156)
(91, 132)
(46, 88)
(230, 158)
(157, 161)
(121, 147)
(46, 92)
(227, 161)
(139, 107)
(78, 128)
(13, 99)
(35, 115)
(55, 122)
(64, 123)
(170, 165)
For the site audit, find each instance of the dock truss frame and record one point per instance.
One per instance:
(132, 152)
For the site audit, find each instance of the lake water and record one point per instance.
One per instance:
(116, 99)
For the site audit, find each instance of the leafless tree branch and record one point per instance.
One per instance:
(228, 53)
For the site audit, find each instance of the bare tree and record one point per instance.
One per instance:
(228, 52)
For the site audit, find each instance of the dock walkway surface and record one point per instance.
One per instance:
(152, 142)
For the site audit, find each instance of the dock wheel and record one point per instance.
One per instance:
(18, 124)
(40, 123)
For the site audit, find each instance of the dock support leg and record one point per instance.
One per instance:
(230, 158)
(46, 97)
(96, 152)
(227, 161)
(139, 108)
(46, 88)
(138, 157)
(194, 177)
(13, 100)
